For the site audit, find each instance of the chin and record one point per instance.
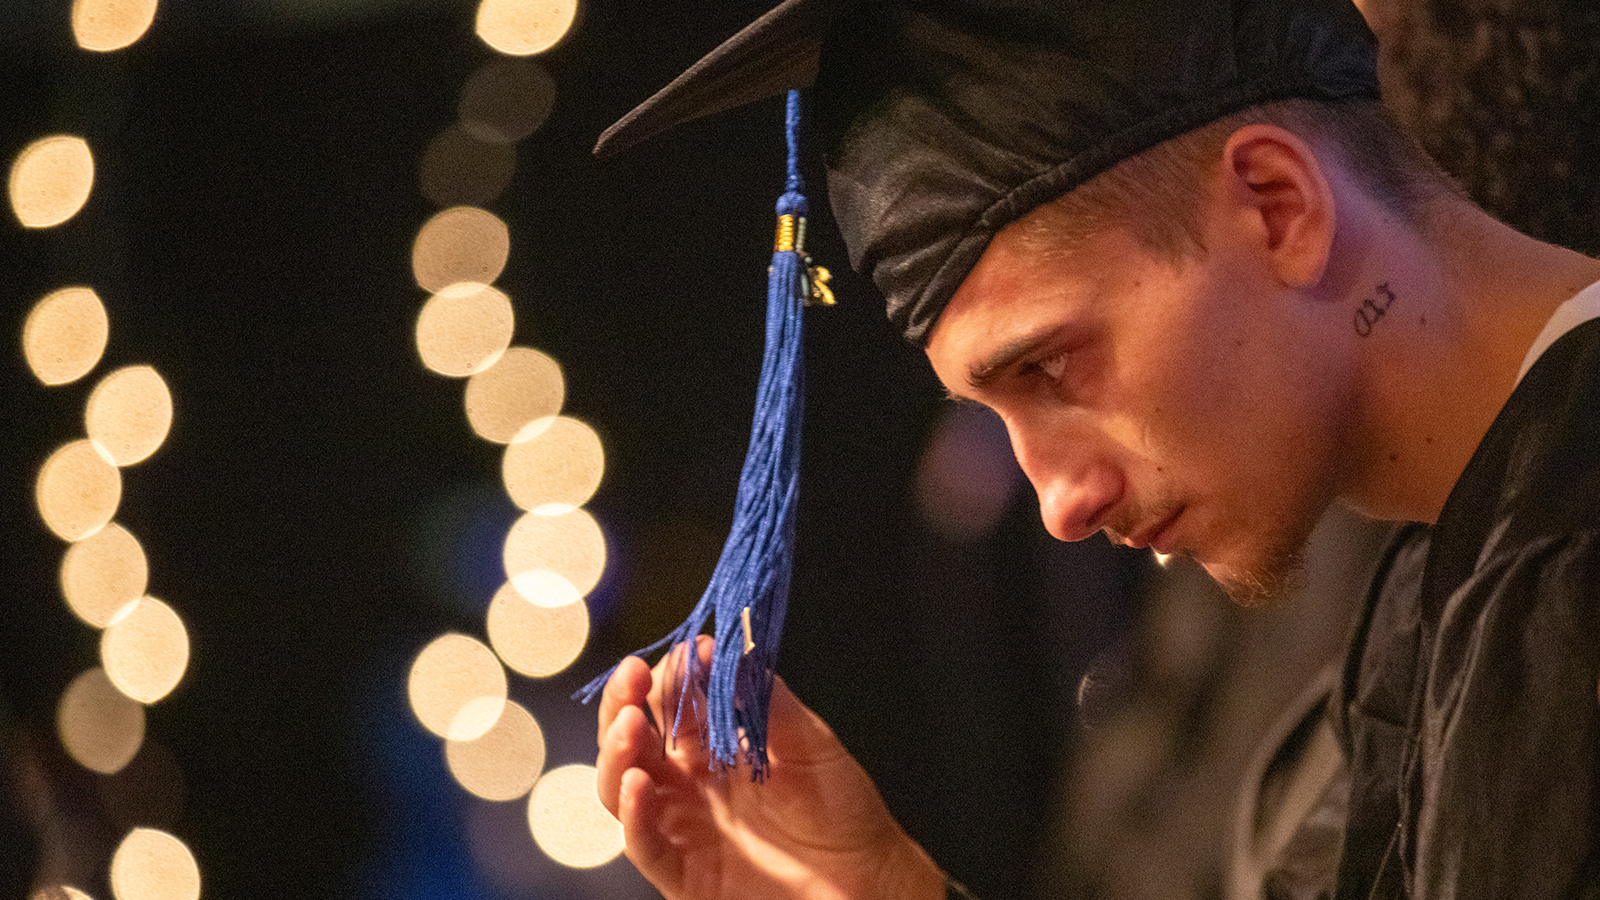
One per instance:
(1262, 579)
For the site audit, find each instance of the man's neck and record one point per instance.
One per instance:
(1469, 296)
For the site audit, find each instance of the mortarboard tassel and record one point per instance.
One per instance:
(749, 589)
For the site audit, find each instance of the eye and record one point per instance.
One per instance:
(1054, 365)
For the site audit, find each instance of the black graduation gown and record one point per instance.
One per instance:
(1468, 709)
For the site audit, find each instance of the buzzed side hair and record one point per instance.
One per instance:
(1157, 194)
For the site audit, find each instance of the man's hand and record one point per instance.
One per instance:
(815, 829)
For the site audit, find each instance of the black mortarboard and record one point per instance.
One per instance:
(941, 123)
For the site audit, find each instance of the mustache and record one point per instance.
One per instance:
(1134, 517)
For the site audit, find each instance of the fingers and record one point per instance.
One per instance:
(628, 686)
(626, 738)
(637, 710)
(641, 809)
(652, 786)
(677, 702)
(664, 687)
(629, 743)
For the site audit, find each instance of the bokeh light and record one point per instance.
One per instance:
(457, 687)
(103, 573)
(553, 464)
(967, 475)
(522, 386)
(540, 588)
(458, 169)
(65, 335)
(462, 243)
(50, 180)
(145, 650)
(464, 328)
(129, 414)
(568, 822)
(100, 727)
(153, 865)
(504, 762)
(569, 544)
(539, 625)
(523, 27)
(78, 490)
(59, 892)
(506, 100)
(105, 25)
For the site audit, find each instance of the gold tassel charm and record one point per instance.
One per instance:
(791, 238)
(786, 241)
(817, 291)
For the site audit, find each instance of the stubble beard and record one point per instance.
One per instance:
(1268, 574)
(1266, 581)
(1266, 578)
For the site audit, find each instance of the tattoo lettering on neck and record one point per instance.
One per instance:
(1372, 309)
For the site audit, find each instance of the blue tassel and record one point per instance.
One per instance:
(749, 590)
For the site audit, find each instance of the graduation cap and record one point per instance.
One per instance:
(940, 123)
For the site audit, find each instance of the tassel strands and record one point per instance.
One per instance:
(748, 595)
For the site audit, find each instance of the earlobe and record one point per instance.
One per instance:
(1279, 188)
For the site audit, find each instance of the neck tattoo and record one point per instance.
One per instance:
(1373, 309)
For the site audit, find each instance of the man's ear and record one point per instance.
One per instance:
(1276, 185)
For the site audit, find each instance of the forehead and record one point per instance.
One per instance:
(1029, 296)
(1021, 277)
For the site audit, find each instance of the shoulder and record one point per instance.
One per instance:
(1536, 474)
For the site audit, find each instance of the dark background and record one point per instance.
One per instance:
(321, 510)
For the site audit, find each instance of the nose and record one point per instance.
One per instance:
(1078, 487)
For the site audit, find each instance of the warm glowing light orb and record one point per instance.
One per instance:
(462, 243)
(153, 865)
(553, 464)
(506, 100)
(104, 573)
(524, 27)
(129, 414)
(464, 328)
(539, 588)
(505, 761)
(522, 386)
(568, 822)
(65, 335)
(105, 25)
(569, 544)
(100, 727)
(50, 180)
(78, 490)
(457, 687)
(145, 650)
(539, 625)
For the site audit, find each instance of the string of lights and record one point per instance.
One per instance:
(537, 623)
(144, 645)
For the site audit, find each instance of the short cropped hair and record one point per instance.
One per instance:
(1157, 194)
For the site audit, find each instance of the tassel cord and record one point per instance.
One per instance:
(755, 569)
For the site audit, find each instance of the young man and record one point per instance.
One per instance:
(1210, 292)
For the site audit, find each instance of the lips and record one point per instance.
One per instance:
(1160, 536)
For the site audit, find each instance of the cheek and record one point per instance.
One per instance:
(1236, 426)
(1185, 406)
(1271, 464)
(1216, 402)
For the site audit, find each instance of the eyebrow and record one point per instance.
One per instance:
(984, 372)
